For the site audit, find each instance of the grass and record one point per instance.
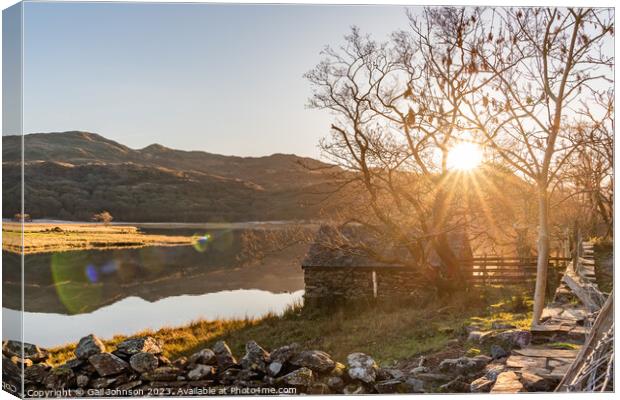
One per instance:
(40, 238)
(389, 332)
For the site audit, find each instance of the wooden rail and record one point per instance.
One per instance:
(506, 270)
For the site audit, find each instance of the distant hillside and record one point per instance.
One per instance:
(71, 175)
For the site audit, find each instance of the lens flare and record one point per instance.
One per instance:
(201, 242)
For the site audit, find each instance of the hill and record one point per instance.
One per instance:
(71, 175)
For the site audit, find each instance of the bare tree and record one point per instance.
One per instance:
(104, 217)
(543, 62)
(396, 106)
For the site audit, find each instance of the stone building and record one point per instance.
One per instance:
(350, 263)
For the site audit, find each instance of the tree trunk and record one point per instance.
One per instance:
(543, 254)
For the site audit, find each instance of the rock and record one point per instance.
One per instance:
(536, 383)
(394, 373)
(161, 374)
(464, 365)
(89, 346)
(507, 382)
(133, 346)
(481, 385)
(129, 385)
(457, 385)
(476, 336)
(82, 381)
(430, 377)
(414, 385)
(36, 373)
(256, 358)
(200, 371)
(180, 362)
(274, 368)
(302, 377)
(491, 371)
(32, 352)
(316, 360)
(59, 378)
(389, 386)
(285, 353)
(143, 362)
(319, 388)
(10, 373)
(101, 383)
(362, 367)
(514, 337)
(75, 363)
(335, 383)
(498, 352)
(204, 356)
(107, 364)
(353, 389)
(223, 355)
(419, 370)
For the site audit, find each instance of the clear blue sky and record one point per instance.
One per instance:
(221, 78)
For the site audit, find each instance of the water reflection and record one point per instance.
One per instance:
(68, 294)
(134, 314)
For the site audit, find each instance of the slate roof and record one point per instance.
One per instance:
(346, 247)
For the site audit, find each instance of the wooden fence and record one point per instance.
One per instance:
(506, 270)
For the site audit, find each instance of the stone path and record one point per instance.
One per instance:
(541, 365)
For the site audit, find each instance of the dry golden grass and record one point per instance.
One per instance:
(41, 238)
(389, 332)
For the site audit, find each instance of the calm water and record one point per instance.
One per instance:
(71, 294)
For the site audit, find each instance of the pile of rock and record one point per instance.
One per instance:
(137, 366)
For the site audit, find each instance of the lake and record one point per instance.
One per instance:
(106, 292)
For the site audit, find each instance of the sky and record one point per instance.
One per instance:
(225, 79)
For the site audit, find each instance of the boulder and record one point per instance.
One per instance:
(133, 346)
(414, 385)
(393, 373)
(143, 362)
(464, 365)
(419, 370)
(362, 367)
(491, 371)
(223, 356)
(82, 381)
(512, 338)
(536, 383)
(89, 346)
(256, 358)
(59, 378)
(354, 389)
(481, 385)
(107, 364)
(302, 377)
(161, 374)
(457, 385)
(37, 373)
(319, 388)
(507, 382)
(498, 352)
(200, 371)
(315, 360)
(335, 383)
(204, 356)
(32, 352)
(280, 356)
(75, 363)
(389, 386)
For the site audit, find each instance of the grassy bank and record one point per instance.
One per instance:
(390, 332)
(40, 238)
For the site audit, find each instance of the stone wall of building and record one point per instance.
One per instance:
(353, 283)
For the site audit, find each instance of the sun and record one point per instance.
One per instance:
(464, 157)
